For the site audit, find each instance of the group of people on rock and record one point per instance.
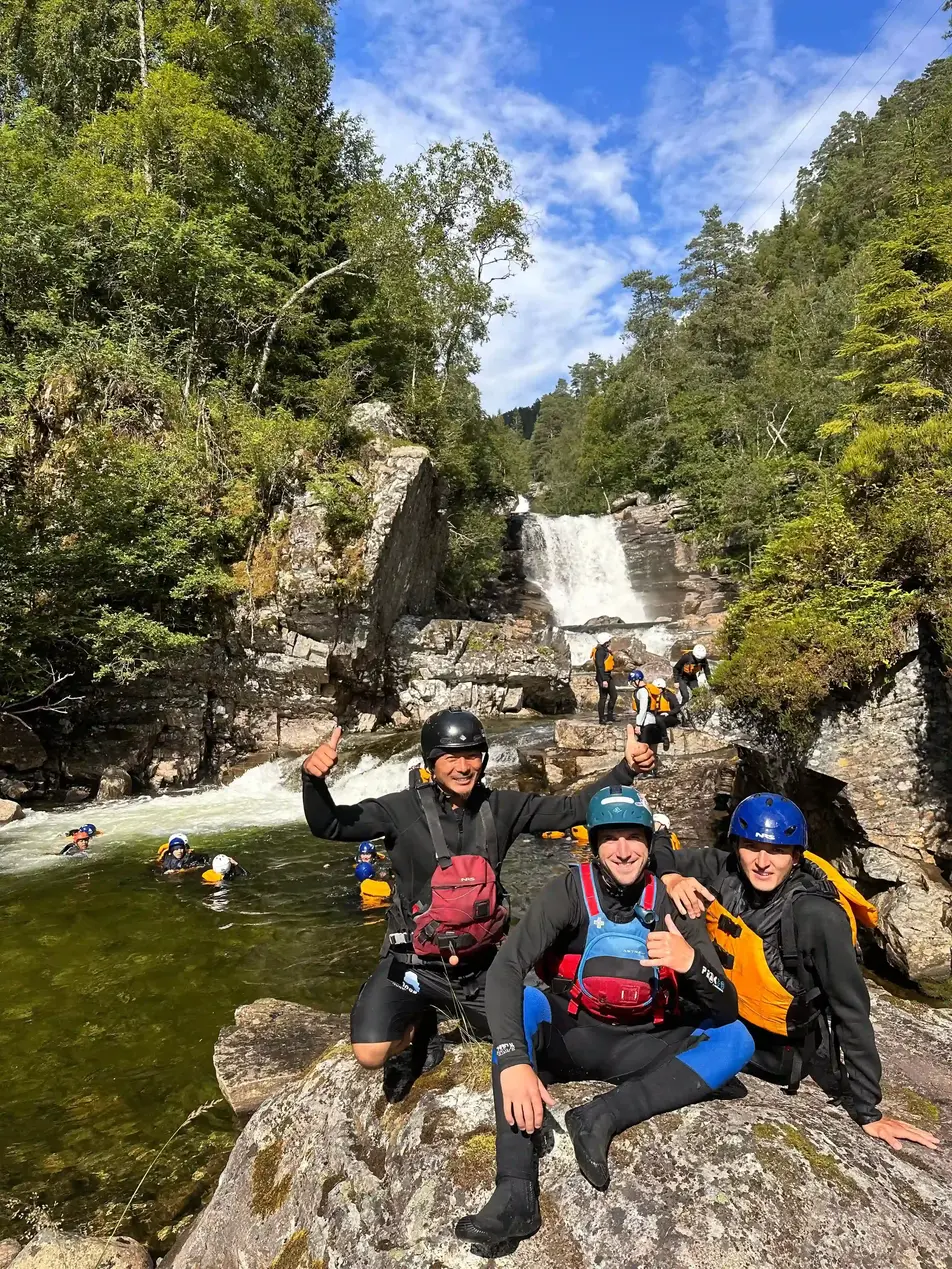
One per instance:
(665, 971)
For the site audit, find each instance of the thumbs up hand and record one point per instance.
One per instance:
(638, 756)
(324, 758)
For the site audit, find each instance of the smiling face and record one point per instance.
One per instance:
(766, 866)
(458, 773)
(623, 852)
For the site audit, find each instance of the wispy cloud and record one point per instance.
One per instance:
(608, 196)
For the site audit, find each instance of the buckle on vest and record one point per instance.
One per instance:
(727, 926)
(400, 939)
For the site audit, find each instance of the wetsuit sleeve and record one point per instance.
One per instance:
(679, 666)
(600, 672)
(360, 822)
(703, 863)
(826, 943)
(66, 849)
(553, 911)
(705, 983)
(546, 813)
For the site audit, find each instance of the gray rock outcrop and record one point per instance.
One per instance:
(114, 783)
(9, 1250)
(489, 667)
(52, 1249)
(272, 1043)
(10, 811)
(326, 1173)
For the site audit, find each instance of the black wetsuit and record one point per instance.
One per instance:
(686, 671)
(188, 860)
(607, 696)
(825, 943)
(390, 1000)
(72, 848)
(658, 1067)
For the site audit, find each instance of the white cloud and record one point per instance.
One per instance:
(712, 129)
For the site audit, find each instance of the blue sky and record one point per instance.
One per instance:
(621, 119)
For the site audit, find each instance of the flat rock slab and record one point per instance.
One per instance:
(327, 1174)
(272, 1043)
(52, 1249)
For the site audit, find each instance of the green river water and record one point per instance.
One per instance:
(114, 983)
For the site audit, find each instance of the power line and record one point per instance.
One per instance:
(900, 54)
(846, 73)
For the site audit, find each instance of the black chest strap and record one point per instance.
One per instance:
(488, 844)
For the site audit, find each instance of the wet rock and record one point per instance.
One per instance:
(326, 1172)
(572, 733)
(487, 667)
(15, 790)
(115, 783)
(9, 1249)
(52, 1249)
(272, 1043)
(10, 811)
(914, 926)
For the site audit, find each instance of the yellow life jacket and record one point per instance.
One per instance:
(657, 699)
(163, 851)
(609, 659)
(675, 841)
(762, 966)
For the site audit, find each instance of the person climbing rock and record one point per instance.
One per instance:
(784, 923)
(688, 670)
(634, 996)
(607, 691)
(79, 839)
(446, 841)
(652, 707)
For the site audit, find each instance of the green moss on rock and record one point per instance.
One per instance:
(268, 1191)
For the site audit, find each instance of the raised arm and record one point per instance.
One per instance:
(362, 821)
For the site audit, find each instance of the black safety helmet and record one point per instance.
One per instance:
(449, 731)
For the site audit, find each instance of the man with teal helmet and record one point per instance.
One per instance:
(630, 986)
(784, 926)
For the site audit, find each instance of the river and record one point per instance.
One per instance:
(116, 981)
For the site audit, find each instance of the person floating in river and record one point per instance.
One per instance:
(223, 868)
(177, 856)
(784, 923)
(607, 691)
(80, 839)
(453, 830)
(635, 996)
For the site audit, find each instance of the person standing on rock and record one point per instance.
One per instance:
(784, 922)
(688, 670)
(635, 996)
(447, 841)
(607, 691)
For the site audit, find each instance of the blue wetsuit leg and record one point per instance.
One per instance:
(721, 1052)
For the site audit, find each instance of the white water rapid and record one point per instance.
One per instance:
(579, 563)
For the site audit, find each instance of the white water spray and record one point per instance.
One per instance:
(579, 563)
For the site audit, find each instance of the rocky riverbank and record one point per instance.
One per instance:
(325, 1173)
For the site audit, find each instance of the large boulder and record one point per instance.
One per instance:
(488, 667)
(9, 1250)
(326, 1173)
(10, 811)
(52, 1249)
(114, 783)
(272, 1043)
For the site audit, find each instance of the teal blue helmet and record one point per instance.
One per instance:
(617, 806)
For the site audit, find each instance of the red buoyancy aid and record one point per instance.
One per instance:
(607, 978)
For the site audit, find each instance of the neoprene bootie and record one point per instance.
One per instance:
(592, 1129)
(426, 1051)
(511, 1213)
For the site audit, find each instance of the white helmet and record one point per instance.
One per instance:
(602, 637)
(661, 821)
(699, 652)
(178, 839)
(221, 864)
(660, 683)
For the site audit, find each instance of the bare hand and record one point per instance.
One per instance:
(669, 949)
(324, 757)
(894, 1132)
(604, 685)
(524, 1097)
(688, 894)
(638, 756)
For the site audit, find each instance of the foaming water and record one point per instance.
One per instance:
(580, 564)
(266, 796)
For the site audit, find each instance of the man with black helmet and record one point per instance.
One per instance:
(447, 841)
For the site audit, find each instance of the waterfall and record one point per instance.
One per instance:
(579, 563)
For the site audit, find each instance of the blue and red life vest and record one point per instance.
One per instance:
(606, 977)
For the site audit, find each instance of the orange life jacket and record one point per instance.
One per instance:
(609, 659)
(763, 963)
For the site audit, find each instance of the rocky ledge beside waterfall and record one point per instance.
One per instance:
(326, 1174)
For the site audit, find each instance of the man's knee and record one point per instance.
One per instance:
(372, 1056)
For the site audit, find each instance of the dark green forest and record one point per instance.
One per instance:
(202, 269)
(794, 387)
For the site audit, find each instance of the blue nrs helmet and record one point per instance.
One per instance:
(636, 676)
(617, 807)
(89, 828)
(365, 849)
(177, 840)
(771, 819)
(364, 871)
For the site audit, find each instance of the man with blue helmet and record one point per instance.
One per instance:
(784, 923)
(634, 995)
(80, 839)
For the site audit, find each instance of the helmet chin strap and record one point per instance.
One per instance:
(613, 885)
